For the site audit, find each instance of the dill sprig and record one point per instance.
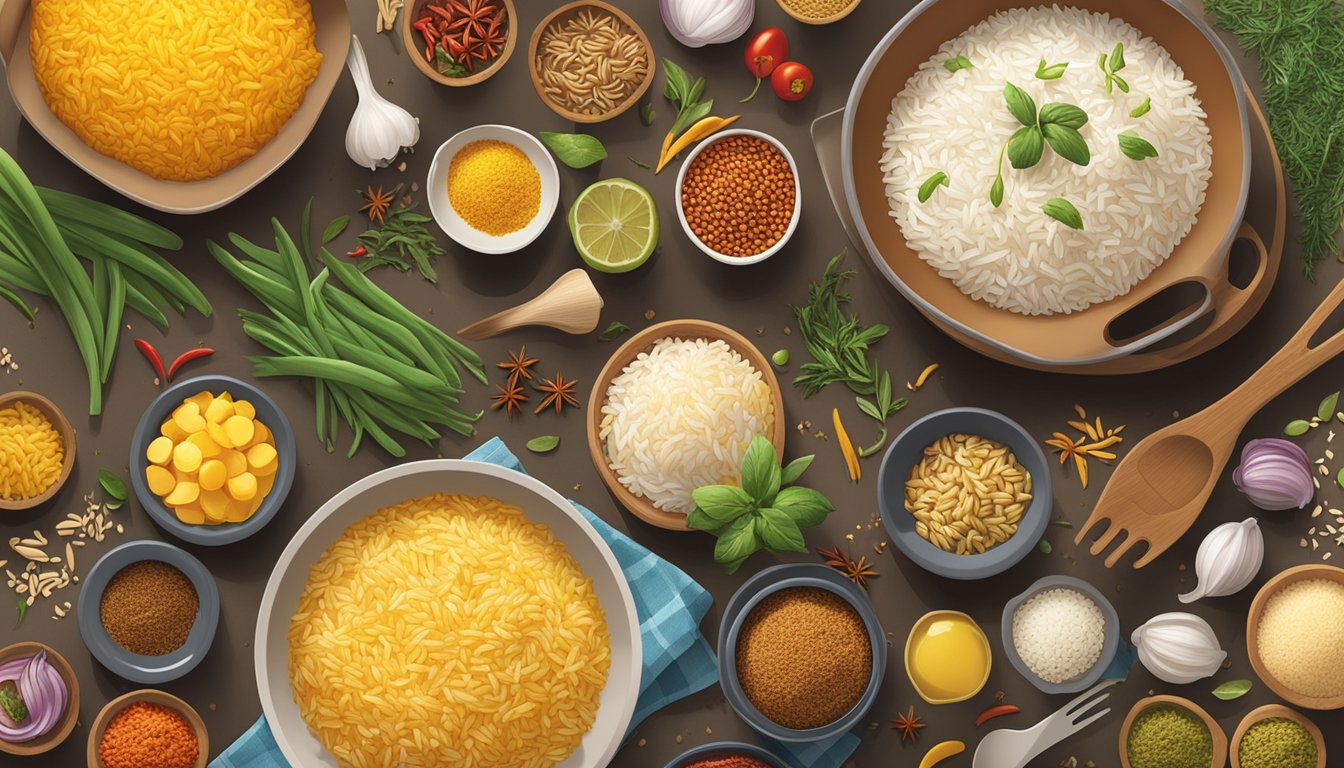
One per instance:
(839, 345)
(402, 241)
(1301, 57)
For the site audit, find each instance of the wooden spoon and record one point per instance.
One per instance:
(1161, 486)
(572, 304)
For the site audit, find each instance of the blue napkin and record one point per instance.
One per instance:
(678, 660)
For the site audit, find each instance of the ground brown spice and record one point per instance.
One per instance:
(803, 657)
(149, 608)
(738, 196)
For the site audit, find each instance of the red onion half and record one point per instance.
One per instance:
(1274, 474)
(44, 693)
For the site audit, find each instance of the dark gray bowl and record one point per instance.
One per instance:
(720, 749)
(908, 448)
(152, 670)
(268, 413)
(1108, 644)
(748, 596)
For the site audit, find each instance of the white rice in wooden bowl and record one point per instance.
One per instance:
(1015, 257)
(448, 632)
(680, 416)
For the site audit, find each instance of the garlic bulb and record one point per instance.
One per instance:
(379, 129)
(1179, 648)
(1274, 474)
(697, 23)
(1229, 557)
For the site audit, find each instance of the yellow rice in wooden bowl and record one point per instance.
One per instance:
(448, 630)
(179, 89)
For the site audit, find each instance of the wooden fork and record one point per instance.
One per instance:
(1161, 486)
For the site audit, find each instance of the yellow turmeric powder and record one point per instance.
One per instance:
(494, 187)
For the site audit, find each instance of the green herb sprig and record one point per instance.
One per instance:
(402, 241)
(1110, 66)
(958, 63)
(1144, 108)
(684, 93)
(931, 184)
(1232, 689)
(1135, 146)
(1302, 67)
(1056, 124)
(766, 512)
(1051, 71)
(1064, 212)
(838, 344)
(576, 150)
(614, 330)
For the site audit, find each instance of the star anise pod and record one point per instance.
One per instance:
(559, 392)
(518, 366)
(909, 724)
(857, 571)
(510, 398)
(377, 203)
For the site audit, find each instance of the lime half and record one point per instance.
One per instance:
(615, 225)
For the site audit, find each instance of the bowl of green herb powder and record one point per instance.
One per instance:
(1171, 732)
(1275, 736)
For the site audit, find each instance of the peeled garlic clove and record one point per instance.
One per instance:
(1228, 559)
(1178, 648)
(379, 129)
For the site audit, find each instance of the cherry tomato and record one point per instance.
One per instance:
(767, 50)
(791, 81)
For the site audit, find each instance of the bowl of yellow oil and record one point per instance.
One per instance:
(947, 657)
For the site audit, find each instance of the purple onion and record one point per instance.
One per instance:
(44, 693)
(1274, 474)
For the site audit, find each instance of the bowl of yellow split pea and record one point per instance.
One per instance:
(493, 188)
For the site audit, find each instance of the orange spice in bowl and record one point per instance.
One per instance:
(738, 197)
(148, 735)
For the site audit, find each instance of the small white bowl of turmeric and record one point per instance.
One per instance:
(493, 188)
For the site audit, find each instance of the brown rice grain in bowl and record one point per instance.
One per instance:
(448, 632)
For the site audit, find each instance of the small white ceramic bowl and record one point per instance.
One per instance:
(436, 189)
(797, 198)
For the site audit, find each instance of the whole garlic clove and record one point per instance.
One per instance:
(379, 130)
(1178, 648)
(1228, 559)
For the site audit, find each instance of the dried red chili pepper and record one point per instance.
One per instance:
(359, 252)
(152, 355)
(998, 710)
(187, 357)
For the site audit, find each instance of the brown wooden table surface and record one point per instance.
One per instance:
(677, 282)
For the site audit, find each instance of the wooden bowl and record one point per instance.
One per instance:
(1290, 576)
(818, 20)
(415, 46)
(1271, 711)
(642, 342)
(58, 734)
(1215, 731)
(564, 13)
(67, 432)
(153, 697)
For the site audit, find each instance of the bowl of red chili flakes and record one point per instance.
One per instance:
(726, 754)
(459, 42)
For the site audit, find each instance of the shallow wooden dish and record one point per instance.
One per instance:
(57, 735)
(1289, 576)
(67, 432)
(153, 697)
(563, 13)
(415, 44)
(1276, 710)
(641, 342)
(816, 20)
(332, 40)
(1215, 731)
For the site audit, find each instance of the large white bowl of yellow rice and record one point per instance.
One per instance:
(448, 613)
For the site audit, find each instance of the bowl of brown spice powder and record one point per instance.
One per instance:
(148, 611)
(738, 196)
(801, 653)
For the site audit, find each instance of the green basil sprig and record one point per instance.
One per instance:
(931, 184)
(1110, 66)
(958, 63)
(1064, 212)
(1135, 146)
(577, 150)
(1055, 124)
(1050, 72)
(766, 512)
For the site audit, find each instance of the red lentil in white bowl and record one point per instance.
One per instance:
(725, 173)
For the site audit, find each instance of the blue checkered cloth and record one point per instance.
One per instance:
(678, 660)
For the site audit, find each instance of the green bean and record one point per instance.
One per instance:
(24, 309)
(344, 371)
(20, 275)
(144, 297)
(393, 332)
(269, 292)
(108, 218)
(320, 397)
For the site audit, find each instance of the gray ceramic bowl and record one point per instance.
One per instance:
(268, 413)
(151, 670)
(748, 596)
(1108, 645)
(722, 749)
(908, 448)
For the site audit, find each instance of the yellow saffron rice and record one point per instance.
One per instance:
(179, 89)
(494, 187)
(448, 631)
(31, 452)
